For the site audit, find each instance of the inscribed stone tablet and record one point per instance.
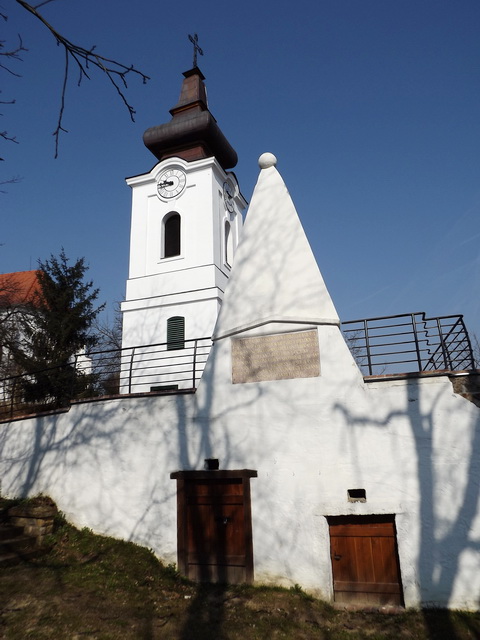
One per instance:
(282, 356)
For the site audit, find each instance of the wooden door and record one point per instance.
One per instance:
(365, 560)
(214, 526)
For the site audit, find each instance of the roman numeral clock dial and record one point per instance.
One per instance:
(171, 183)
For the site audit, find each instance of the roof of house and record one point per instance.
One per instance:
(18, 288)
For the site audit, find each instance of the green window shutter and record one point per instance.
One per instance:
(176, 333)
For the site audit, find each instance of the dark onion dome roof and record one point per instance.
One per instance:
(192, 133)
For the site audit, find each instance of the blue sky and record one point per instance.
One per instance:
(372, 109)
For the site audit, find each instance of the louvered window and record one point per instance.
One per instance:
(171, 236)
(176, 333)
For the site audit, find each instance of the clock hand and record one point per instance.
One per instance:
(165, 183)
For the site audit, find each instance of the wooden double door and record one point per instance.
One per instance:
(365, 560)
(214, 527)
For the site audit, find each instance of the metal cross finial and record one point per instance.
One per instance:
(194, 40)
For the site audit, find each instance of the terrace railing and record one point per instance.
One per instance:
(409, 343)
(404, 343)
(162, 367)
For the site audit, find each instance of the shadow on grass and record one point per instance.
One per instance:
(442, 624)
(206, 614)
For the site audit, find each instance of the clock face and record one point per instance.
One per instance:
(171, 183)
(228, 196)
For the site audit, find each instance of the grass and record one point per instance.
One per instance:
(92, 587)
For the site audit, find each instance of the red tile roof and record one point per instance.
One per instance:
(18, 288)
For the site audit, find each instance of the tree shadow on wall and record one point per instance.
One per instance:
(448, 485)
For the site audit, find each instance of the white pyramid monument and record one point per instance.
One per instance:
(277, 321)
(275, 278)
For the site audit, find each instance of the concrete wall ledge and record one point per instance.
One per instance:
(420, 375)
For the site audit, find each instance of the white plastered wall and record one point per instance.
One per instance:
(191, 284)
(412, 445)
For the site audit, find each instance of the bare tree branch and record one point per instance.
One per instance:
(12, 54)
(37, 6)
(9, 54)
(84, 59)
(59, 128)
(109, 332)
(5, 136)
(9, 181)
(116, 72)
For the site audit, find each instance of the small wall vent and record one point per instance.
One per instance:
(211, 464)
(357, 495)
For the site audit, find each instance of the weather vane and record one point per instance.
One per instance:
(196, 49)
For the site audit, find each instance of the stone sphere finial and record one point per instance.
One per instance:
(267, 160)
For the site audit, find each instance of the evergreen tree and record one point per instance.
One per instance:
(57, 330)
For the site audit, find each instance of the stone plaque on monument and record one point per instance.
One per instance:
(282, 356)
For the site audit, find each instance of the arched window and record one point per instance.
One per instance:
(228, 244)
(176, 333)
(171, 235)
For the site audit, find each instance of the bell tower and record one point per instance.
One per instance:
(185, 226)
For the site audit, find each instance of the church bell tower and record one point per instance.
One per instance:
(185, 226)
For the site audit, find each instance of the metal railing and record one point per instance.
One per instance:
(403, 343)
(160, 367)
(409, 343)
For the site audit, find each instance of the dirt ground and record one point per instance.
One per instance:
(91, 587)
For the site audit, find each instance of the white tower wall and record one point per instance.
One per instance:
(189, 285)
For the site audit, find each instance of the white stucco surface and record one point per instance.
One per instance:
(191, 284)
(276, 277)
(412, 444)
